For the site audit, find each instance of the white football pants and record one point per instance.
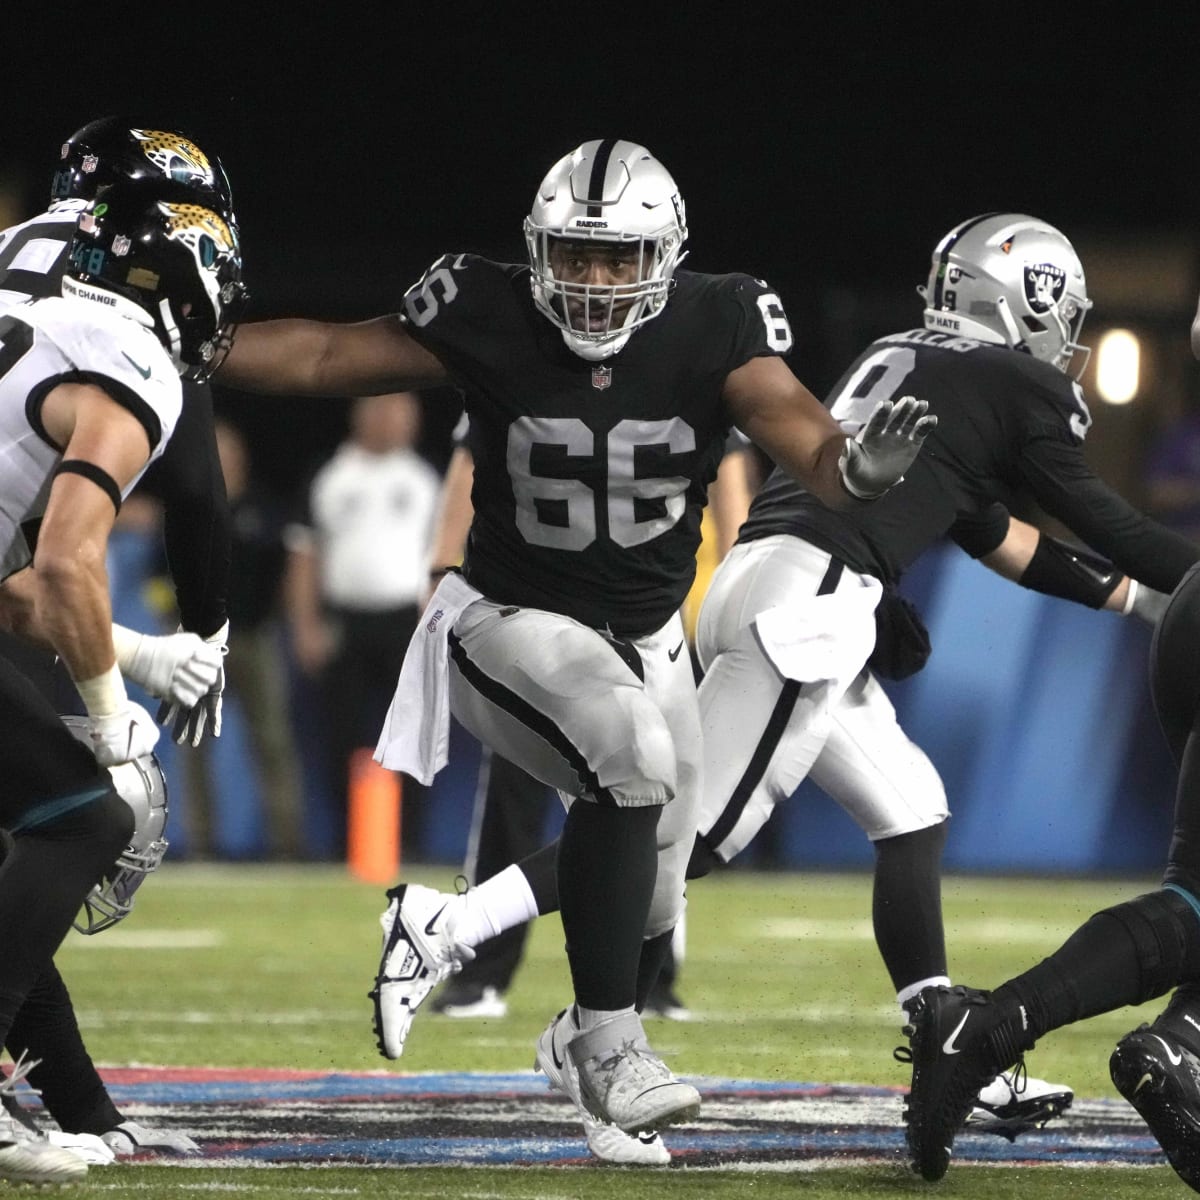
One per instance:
(769, 721)
(612, 723)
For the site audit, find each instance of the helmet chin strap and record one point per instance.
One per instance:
(174, 343)
(1015, 340)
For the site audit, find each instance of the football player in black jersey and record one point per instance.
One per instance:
(89, 396)
(1127, 954)
(187, 478)
(803, 612)
(600, 383)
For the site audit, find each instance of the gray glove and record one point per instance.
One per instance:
(885, 447)
(130, 1138)
(1146, 603)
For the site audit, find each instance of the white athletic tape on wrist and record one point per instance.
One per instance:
(103, 695)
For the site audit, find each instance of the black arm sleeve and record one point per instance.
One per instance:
(982, 532)
(1066, 488)
(196, 522)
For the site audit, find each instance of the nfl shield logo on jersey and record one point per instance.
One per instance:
(601, 377)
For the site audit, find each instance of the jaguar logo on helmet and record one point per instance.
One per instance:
(1044, 285)
(175, 156)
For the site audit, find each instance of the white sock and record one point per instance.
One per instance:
(906, 994)
(495, 905)
(589, 1018)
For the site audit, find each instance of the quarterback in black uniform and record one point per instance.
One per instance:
(1127, 954)
(802, 613)
(600, 383)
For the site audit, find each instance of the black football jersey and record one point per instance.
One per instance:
(1010, 427)
(590, 478)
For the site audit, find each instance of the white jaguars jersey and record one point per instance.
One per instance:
(60, 340)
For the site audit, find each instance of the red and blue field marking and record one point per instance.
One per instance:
(310, 1118)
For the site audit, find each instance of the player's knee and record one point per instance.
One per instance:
(1162, 927)
(106, 823)
(641, 767)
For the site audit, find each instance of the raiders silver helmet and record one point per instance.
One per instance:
(1012, 280)
(608, 192)
(143, 786)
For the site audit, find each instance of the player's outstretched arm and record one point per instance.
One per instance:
(317, 358)
(779, 414)
(1045, 564)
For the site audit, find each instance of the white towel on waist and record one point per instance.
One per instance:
(416, 730)
(824, 637)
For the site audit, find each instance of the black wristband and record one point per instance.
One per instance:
(1070, 572)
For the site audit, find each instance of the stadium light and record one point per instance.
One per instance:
(1118, 362)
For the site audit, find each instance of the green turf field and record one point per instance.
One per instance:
(269, 967)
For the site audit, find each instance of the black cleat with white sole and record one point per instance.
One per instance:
(952, 1059)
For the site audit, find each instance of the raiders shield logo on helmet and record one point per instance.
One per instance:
(1044, 284)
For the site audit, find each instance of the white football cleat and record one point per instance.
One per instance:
(605, 1141)
(419, 951)
(1015, 1103)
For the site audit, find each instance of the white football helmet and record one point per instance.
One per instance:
(1012, 280)
(606, 191)
(143, 786)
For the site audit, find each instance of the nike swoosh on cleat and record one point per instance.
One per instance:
(1141, 1083)
(1175, 1058)
(948, 1046)
(674, 654)
(433, 920)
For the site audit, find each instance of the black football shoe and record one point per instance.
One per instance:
(1160, 1077)
(952, 1059)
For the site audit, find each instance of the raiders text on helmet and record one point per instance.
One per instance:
(1013, 280)
(109, 149)
(177, 263)
(143, 786)
(606, 193)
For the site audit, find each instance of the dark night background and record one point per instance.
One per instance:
(825, 148)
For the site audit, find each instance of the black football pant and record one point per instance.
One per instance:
(65, 827)
(1175, 685)
(70, 1087)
